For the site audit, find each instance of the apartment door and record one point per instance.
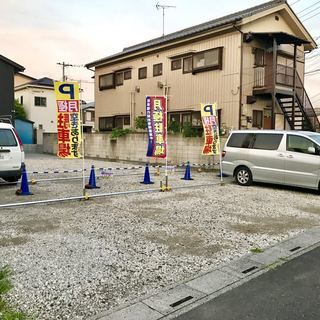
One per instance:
(267, 119)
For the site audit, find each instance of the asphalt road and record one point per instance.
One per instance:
(290, 292)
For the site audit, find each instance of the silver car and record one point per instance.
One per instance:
(280, 157)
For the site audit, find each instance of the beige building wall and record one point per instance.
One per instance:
(20, 79)
(185, 91)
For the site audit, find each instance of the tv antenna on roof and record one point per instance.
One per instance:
(163, 7)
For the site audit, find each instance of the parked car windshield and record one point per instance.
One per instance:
(7, 138)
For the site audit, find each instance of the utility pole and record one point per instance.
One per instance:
(64, 65)
(163, 7)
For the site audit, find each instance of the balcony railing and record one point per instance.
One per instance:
(263, 76)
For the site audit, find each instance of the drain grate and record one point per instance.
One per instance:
(295, 249)
(249, 269)
(177, 303)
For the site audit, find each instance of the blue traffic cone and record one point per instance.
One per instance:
(24, 188)
(92, 180)
(146, 179)
(187, 175)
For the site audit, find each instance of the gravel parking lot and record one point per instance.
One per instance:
(73, 260)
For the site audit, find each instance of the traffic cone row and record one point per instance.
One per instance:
(24, 188)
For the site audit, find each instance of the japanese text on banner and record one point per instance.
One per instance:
(211, 129)
(156, 111)
(68, 119)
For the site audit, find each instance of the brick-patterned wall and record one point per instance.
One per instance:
(133, 147)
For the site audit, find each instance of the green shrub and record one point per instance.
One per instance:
(140, 123)
(119, 132)
(174, 127)
(19, 110)
(189, 131)
(6, 312)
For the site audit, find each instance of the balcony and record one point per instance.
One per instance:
(263, 79)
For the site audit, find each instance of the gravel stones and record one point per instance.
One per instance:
(76, 259)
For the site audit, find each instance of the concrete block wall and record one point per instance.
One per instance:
(133, 147)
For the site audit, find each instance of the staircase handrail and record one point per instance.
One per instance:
(306, 101)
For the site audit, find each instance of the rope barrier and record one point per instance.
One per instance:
(123, 168)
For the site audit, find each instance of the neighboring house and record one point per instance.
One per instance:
(251, 63)
(22, 78)
(38, 100)
(88, 115)
(8, 69)
(25, 131)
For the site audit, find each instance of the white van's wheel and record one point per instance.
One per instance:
(243, 176)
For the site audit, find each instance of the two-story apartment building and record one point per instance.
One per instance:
(251, 63)
(39, 102)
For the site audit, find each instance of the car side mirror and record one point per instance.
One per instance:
(312, 150)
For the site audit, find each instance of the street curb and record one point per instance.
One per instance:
(193, 292)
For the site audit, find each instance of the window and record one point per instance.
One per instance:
(126, 120)
(176, 64)
(119, 78)
(187, 64)
(196, 119)
(285, 70)
(121, 121)
(266, 141)
(88, 116)
(207, 60)
(143, 73)
(106, 123)
(118, 122)
(186, 118)
(127, 75)
(157, 69)
(7, 138)
(240, 140)
(21, 99)
(259, 57)
(40, 101)
(300, 144)
(174, 117)
(106, 81)
(257, 116)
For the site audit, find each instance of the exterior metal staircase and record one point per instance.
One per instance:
(297, 109)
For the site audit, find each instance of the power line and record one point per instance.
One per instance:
(307, 13)
(311, 17)
(312, 71)
(64, 65)
(308, 7)
(295, 2)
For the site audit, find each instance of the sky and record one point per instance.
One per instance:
(40, 33)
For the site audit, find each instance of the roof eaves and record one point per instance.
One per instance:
(17, 67)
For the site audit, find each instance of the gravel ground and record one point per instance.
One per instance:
(76, 259)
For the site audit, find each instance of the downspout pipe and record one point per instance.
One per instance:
(241, 76)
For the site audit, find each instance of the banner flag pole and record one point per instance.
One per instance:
(166, 173)
(84, 193)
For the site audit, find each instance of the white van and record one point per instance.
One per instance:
(11, 153)
(280, 157)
